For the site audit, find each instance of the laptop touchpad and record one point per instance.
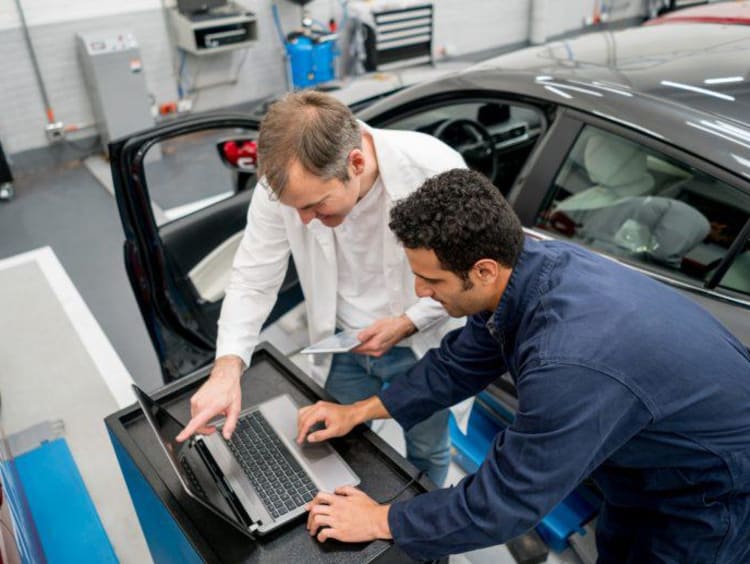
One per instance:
(325, 466)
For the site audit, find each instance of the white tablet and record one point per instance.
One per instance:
(340, 342)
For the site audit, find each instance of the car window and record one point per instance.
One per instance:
(494, 137)
(185, 173)
(624, 199)
(200, 185)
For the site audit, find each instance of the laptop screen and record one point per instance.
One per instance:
(167, 427)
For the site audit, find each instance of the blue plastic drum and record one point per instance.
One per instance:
(312, 60)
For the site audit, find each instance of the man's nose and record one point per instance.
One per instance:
(421, 289)
(306, 215)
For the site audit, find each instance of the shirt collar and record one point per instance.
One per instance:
(523, 287)
(397, 171)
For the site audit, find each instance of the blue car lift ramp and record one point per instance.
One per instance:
(488, 417)
(63, 514)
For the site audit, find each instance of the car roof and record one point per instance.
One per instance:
(684, 84)
(737, 13)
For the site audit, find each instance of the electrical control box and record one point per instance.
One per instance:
(214, 31)
(113, 71)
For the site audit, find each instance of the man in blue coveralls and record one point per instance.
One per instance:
(618, 377)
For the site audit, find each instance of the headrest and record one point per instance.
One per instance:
(617, 164)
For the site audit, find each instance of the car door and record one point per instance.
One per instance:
(182, 191)
(645, 203)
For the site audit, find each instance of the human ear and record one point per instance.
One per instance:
(486, 271)
(357, 161)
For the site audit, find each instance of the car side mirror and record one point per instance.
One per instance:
(240, 155)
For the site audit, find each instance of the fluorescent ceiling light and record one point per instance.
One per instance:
(724, 80)
(558, 92)
(629, 124)
(698, 90)
(728, 128)
(743, 161)
(574, 88)
(717, 134)
(602, 87)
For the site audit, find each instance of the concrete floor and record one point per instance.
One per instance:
(67, 209)
(59, 371)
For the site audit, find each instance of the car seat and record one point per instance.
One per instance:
(660, 229)
(618, 170)
(618, 215)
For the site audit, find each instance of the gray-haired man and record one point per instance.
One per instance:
(319, 163)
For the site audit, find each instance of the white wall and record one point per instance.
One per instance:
(461, 26)
(40, 12)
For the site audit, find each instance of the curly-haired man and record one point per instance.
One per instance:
(619, 378)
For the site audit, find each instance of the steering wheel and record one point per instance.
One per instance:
(473, 141)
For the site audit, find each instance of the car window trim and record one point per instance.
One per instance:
(681, 156)
(734, 250)
(533, 184)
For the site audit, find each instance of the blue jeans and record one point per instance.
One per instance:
(354, 377)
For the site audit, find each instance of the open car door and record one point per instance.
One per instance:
(182, 191)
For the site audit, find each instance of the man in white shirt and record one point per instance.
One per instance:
(317, 162)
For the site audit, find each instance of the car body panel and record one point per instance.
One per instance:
(732, 13)
(622, 74)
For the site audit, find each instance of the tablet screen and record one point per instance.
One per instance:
(340, 342)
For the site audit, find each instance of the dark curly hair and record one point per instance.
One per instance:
(463, 218)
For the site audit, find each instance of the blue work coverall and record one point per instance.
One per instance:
(619, 378)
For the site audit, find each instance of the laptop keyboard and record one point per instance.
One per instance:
(277, 477)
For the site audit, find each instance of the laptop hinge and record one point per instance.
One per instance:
(223, 484)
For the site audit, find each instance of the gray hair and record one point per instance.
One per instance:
(311, 127)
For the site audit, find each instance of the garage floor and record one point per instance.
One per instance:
(58, 371)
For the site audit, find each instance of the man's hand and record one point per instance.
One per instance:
(338, 419)
(220, 395)
(348, 515)
(378, 338)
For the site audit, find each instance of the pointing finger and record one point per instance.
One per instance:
(233, 414)
(196, 423)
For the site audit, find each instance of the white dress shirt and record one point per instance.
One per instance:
(362, 288)
(405, 160)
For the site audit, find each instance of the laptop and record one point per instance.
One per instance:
(261, 478)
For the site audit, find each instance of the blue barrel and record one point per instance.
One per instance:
(312, 61)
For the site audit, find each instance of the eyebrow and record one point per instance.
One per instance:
(425, 278)
(310, 206)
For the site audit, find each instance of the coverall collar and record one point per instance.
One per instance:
(523, 287)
